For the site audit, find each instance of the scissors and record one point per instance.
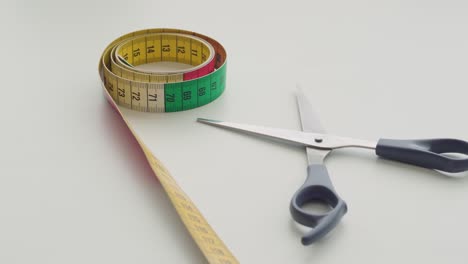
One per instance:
(426, 153)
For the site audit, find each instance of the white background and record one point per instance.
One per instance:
(75, 189)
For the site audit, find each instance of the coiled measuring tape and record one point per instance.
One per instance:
(128, 85)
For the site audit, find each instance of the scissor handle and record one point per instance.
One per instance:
(317, 187)
(427, 153)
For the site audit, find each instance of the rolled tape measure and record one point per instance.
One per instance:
(163, 91)
(127, 84)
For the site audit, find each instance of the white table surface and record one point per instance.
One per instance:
(75, 189)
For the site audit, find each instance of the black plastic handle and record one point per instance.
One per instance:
(427, 153)
(317, 187)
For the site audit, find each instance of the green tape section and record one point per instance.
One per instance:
(203, 91)
(216, 84)
(189, 94)
(222, 81)
(194, 93)
(173, 97)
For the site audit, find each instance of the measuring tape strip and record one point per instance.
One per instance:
(167, 91)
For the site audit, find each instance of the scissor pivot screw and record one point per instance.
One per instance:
(318, 140)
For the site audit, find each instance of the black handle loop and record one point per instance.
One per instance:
(427, 153)
(317, 187)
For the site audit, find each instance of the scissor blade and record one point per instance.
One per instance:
(309, 120)
(288, 136)
(310, 123)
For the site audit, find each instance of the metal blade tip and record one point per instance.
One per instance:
(299, 91)
(207, 121)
